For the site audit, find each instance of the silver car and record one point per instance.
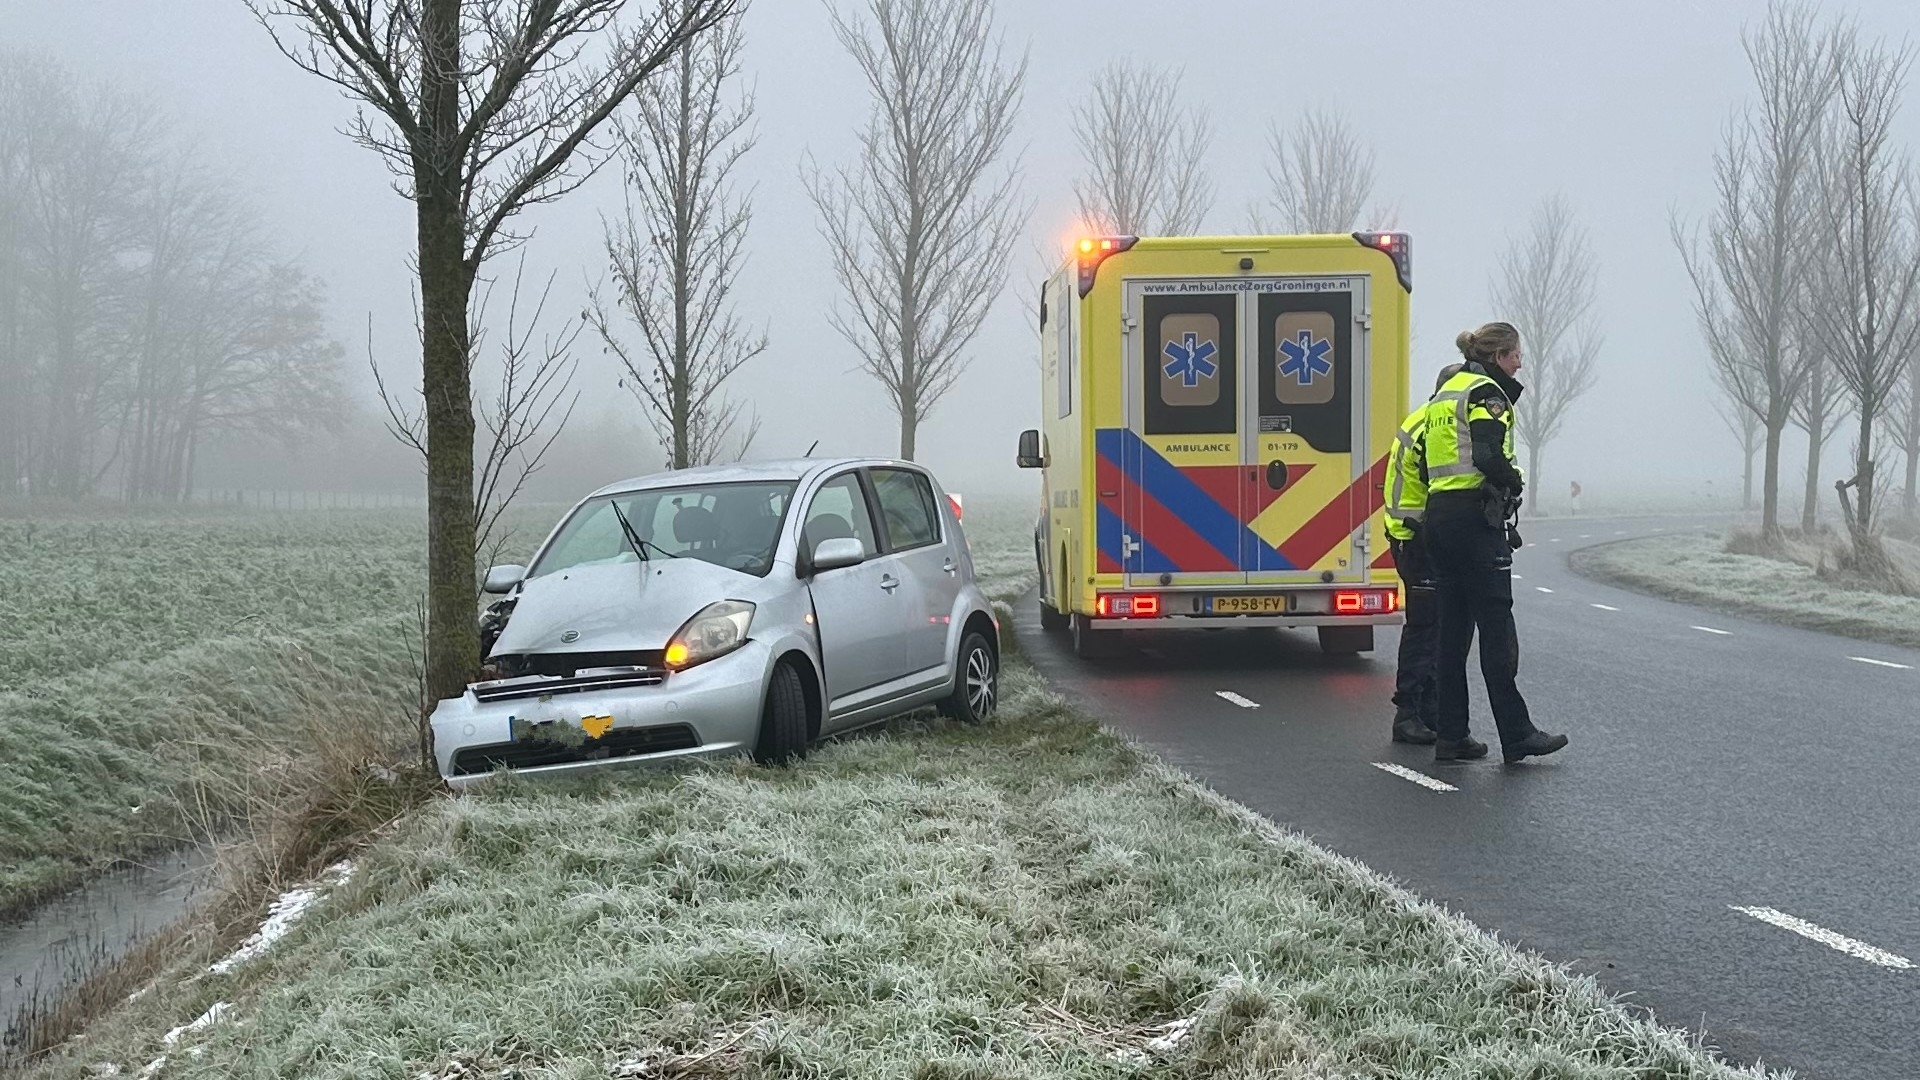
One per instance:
(713, 611)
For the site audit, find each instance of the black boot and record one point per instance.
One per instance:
(1538, 744)
(1467, 749)
(1409, 728)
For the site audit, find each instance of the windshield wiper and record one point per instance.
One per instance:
(633, 537)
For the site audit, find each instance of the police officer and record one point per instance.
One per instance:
(1405, 499)
(1473, 486)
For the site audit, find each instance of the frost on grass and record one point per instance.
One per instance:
(1698, 570)
(283, 915)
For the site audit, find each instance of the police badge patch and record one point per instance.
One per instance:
(1496, 407)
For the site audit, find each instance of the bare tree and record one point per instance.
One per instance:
(1749, 274)
(481, 109)
(1142, 154)
(1545, 285)
(919, 231)
(1906, 435)
(1319, 177)
(1744, 426)
(527, 411)
(678, 252)
(1869, 259)
(1818, 409)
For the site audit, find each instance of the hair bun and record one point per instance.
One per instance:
(1464, 343)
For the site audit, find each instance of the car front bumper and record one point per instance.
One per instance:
(712, 710)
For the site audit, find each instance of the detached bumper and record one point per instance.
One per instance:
(712, 710)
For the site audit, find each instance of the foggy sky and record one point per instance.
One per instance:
(1474, 117)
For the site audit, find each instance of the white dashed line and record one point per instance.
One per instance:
(1603, 607)
(1859, 950)
(1880, 663)
(1517, 577)
(1553, 539)
(1420, 778)
(1583, 536)
(1711, 630)
(1541, 588)
(1620, 532)
(1236, 699)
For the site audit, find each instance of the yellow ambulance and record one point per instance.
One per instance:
(1216, 413)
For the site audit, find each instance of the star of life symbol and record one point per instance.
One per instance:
(1191, 360)
(1306, 356)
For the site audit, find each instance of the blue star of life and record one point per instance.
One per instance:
(1191, 359)
(1306, 357)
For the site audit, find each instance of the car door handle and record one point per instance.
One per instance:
(889, 583)
(950, 567)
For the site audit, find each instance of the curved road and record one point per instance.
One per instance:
(1730, 838)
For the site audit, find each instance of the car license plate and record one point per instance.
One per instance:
(1249, 605)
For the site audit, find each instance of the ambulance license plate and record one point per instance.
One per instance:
(1247, 605)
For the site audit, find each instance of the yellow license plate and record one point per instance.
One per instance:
(1250, 605)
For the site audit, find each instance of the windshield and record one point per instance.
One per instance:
(732, 525)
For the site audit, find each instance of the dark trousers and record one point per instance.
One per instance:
(1413, 685)
(1473, 572)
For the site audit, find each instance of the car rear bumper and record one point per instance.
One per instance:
(712, 710)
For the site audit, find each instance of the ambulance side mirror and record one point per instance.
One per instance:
(1033, 450)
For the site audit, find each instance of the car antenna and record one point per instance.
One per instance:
(811, 449)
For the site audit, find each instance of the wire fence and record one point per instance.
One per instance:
(283, 499)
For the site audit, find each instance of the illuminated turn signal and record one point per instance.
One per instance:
(676, 655)
(1086, 247)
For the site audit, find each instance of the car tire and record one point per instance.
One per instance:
(1088, 643)
(1346, 640)
(783, 720)
(976, 682)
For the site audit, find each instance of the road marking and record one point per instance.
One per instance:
(1620, 532)
(1880, 663)
(1711, 630)
(1859, 950)
(1586, 536)
(1420, 778)
(1517, 577)
(1604, 607)
(1542, 588)
(1236, 699)
(1553, 539)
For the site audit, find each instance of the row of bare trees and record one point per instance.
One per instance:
(1807, 271)
(142, 309)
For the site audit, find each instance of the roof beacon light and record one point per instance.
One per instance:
(1094, 251)
(1397, 246)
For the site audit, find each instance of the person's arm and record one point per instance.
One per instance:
(1490, 455)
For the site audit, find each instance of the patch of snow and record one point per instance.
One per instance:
(283, 915)
(104, 1068)
(1127, 1055)
(153, 1067)
(1176, 1036)
(207, 1019)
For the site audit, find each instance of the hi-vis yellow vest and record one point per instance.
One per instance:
(1405, 491)
(1448, 439)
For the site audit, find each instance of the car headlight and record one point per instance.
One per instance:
(716, 631)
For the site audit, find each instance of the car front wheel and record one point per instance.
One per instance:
(783, 720)
(976, 684)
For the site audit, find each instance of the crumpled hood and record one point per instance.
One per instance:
(614, 607)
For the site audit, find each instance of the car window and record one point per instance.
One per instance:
(731, 525)
(839, 510)
(906, 505)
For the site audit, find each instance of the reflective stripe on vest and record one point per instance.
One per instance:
(1450, 464)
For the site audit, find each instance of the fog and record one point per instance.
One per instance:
(1474, 117)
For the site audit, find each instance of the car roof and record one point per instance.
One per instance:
(746, 472)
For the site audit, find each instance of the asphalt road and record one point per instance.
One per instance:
(1732, 837)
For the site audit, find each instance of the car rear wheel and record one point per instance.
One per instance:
(976, 684)
(783, 720)
(1346, 640)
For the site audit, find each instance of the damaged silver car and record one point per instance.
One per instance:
(724, 610)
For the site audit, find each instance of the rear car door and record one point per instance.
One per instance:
(858, 610)
(918, 542)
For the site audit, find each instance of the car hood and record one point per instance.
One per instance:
(615, 607)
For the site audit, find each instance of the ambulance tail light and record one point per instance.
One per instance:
(1398, 246)
(1094, 250)
(1366, 602)
(1127, 606)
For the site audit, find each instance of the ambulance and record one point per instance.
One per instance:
(1216, 413)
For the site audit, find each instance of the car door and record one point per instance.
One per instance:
(914, 531)
(857, 609)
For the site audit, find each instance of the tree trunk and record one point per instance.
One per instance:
(1810, 508)
(1863, 477)
(1911, 496)
(446, 282)
(1533, 479)
(1770, 481)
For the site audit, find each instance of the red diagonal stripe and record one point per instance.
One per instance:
(1336, 520)
(1169, 535)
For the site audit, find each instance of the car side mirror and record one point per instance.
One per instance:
(502, 579)
(1033, 450)
(839, 553)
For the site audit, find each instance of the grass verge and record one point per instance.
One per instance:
(1697, 571)
(1035, 898)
